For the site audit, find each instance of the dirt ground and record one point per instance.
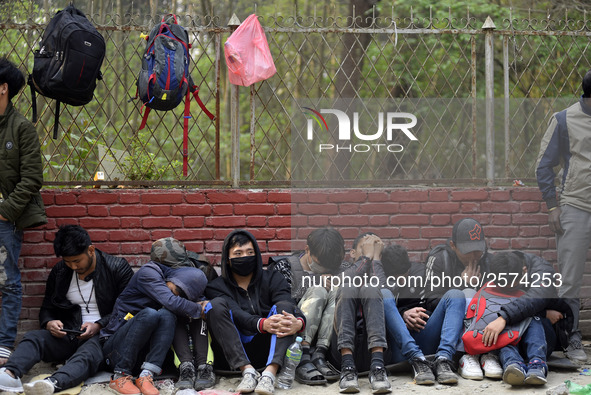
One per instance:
(401, 383)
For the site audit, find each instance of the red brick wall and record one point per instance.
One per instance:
(126, 222)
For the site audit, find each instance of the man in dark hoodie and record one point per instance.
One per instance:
(251, 310)
(143, 323)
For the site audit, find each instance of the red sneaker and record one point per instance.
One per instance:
(146, 385)
(124, 386)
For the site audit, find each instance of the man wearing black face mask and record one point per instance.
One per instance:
(251, 310)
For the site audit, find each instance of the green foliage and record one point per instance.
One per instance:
(74, 155)
(143, 165)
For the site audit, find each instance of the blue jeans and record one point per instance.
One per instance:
(531, 346)
(402, 345)
(440, 335)
(10, 282)
(150, 332)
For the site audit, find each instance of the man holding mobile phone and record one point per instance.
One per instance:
(80, 293)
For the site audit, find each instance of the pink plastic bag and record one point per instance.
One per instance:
(247, 54)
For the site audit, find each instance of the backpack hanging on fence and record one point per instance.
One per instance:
(68, 63)
(164, 79)
(482, 310)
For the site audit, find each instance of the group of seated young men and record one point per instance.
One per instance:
(359, 315)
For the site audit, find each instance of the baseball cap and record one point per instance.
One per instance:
(468, 236)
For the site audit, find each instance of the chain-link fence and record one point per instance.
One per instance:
(481, 92)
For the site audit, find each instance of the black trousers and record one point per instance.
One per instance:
(197, 331)
(229, 350)
(83, 357)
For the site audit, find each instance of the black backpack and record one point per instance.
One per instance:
(68, 62)
(164, 80)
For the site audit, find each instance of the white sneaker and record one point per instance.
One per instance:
(39, 387)
(491, 366)
(8, 383)
(469, 367)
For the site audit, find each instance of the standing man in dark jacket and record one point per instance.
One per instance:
(251, 311)
(79, 294)
(566, 145)
(21, 177)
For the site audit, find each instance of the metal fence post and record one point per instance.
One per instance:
(506, 94)
(488, 28)
(233, 23)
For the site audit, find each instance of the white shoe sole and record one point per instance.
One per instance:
(493, 375)
(470, 376)
(11, 389)
(513, 376)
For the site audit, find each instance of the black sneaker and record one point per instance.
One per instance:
(205, 377)
(186, 376)
(349, 382)
(444, 371)
(422, 371)
(536, 373)
(378, 381)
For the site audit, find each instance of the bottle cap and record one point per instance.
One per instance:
(299, 339)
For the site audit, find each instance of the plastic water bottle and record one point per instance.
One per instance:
(293, 356)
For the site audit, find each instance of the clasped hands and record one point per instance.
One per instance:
(284, 324)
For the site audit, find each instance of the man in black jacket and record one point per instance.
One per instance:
(455, 270)
(79, 295)
(251, 310)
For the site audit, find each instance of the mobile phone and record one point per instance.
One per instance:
(72, 331)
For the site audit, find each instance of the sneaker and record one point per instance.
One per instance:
(576, 353)
(422, 371)
(470, 367)
(348, 382)
(536, 373)
(514, 373)
(444, 372)
(249, 382)
(40, 387)
(9, 383)
(266, 386)
(205, 377)
(146, 385)
(491, 366)
(186, 376)
(124, 386)
(378, 381)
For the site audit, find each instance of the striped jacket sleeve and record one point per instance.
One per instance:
(554, 151)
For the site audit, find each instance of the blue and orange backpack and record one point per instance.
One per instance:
(164, 80)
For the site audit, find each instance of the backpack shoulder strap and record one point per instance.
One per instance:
(195, 91)
(57, 119)
(33, 98)
(145, 118)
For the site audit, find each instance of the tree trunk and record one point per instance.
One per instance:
(348, 78)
